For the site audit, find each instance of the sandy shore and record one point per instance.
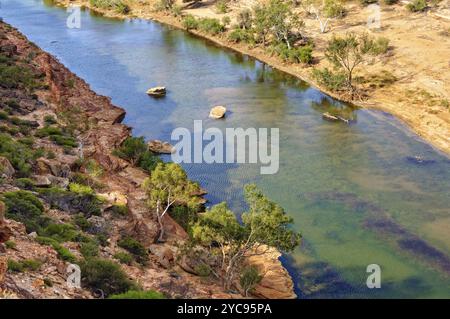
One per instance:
(419, 59)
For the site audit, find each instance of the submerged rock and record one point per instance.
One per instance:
(217, 112)
(333, 118)
(419, 160)
(157, 91)
(160, 147)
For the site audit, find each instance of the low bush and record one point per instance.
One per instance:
(330, 80)
(89, 249)
(190, 22)
(106, 276)
(20, 155)
(24, 265)
(249, 278)
(241, 35)
(124, 258)
(139, 294)
(211, 26)
(245, 19)
(135, 150)
(49, 120)
(221, 6)
(81, 189)
(63, 252)
(184, 216)
(24, 183)
(60, 232)
(10, 244)
(417, 6)
(302, 54)
(119, 210)
(135, 248)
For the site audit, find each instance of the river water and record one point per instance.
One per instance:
(355, 191)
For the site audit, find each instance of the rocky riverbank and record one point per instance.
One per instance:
(420, 96)
(64, 134)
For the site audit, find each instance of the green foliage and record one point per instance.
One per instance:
(63, 252)
(24, 265)
(10, 244)
(20, 155)
(124, 258)
(203, 270)
(26, 208)
(118, 5)
(89, 249)
(106, 276)
(210, 26)
(82, 222)
(417, 6)
(13, 76)
(184, 216)
(88, 204)
(250, 277)
(221, 6)
(57, 135)
(135, 248)
(81, 189)
(333, 81)
(302, 54)
(24, 183)
(120, 210)
(245, 19)
(168, 184)
(241, 35)
(190, 22)
(49, 120)
(48, 282)
(139, 294)
(390, 2)
(136, 152)
(122, 8)
(264, 224)
(60, 232)
(334, 9)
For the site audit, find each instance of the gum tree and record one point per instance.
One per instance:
(168, 184)
(265, 225)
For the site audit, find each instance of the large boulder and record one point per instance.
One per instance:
(160, 147)
(6, 169)
(157, 91)
(217, 112)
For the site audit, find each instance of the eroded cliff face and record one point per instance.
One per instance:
(48, 98)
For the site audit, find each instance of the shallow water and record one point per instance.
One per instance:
(355, 191)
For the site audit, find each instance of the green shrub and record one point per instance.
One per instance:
(380, 46)
(122, 8)
(302, 54)
(89, 249)
(124, 258)
(81, 189)
(417, 6)
(334, 9)
(60, 232)
(241, 35)
(203, 270)
(211, 26)
(24, 207)
(190, 22)
(135, 248)
(82, 222)
(119, 210)
(14, 76)
(24, 183)
(15, 266)
(57, 135)
(20, 155)
(184, 216)
(367, 2)
(138, 294)
(63, 252)
(88, 204)
(4, 116)
(25, 265)
(221, 6)
(164, 5)
(105, 275)
(330, 80)
(48, 131)
(250, 277)
(245, 19)
(49, 120)
(48, 282)
(135, 150)
(10, 244)
(390, 2)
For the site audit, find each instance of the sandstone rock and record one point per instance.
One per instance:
(5, 231)
(158, 146)
(157, 91)
(276, 282)
(164, 255)
(6, 169)
(217, 112)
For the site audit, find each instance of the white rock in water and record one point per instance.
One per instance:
(217, 112)
(157, 91)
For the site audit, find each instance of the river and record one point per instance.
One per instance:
(356, 192)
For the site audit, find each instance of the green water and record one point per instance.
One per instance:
(355, 192)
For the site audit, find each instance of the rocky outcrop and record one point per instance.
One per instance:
(217, 112)
(5, 234)
(160, 147)
(276, 283)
